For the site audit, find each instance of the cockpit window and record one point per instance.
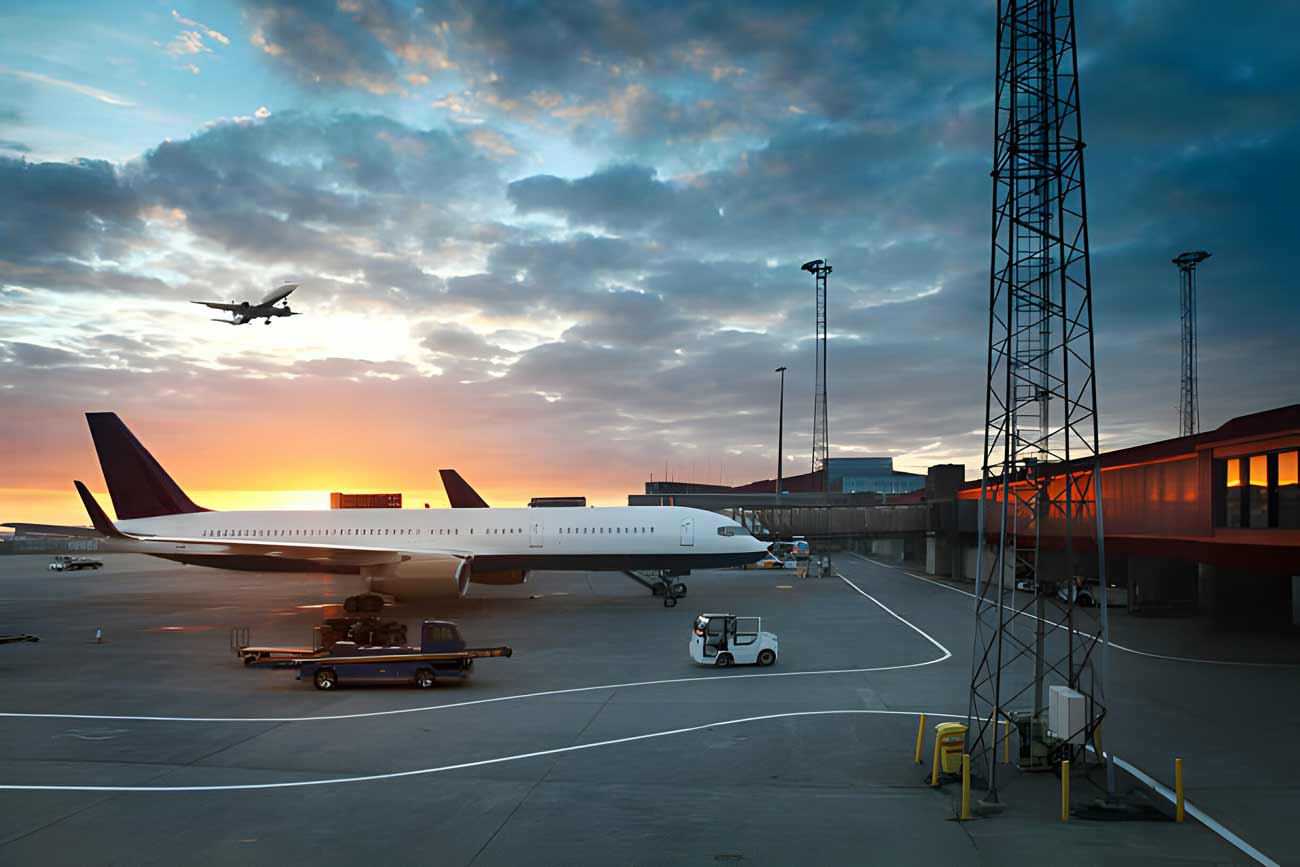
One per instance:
(735, 530)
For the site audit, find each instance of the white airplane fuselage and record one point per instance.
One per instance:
(502, 544)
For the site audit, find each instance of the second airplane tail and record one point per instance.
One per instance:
(459, 492)
(138, 484)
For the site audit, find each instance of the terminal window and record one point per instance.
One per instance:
(1259, 491)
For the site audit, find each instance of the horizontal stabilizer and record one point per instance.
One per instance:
(459, 493)
(138, 484)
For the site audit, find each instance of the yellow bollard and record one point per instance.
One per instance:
(965, 785)
(934, 768)
(1065, 790)
(1006, 742)
(1178, 790)
(920, 735)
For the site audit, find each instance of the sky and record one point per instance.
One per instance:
(557, 246)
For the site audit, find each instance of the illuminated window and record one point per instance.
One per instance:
(1258, 496)
(1288, 490)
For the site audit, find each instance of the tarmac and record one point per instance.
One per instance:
(598, 742)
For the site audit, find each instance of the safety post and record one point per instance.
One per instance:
(965, 785)
(1178, 790)
(934, 768)
(920, 734)
(1006, 742)
(1065, 790)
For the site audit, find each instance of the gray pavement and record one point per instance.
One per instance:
(837, 787)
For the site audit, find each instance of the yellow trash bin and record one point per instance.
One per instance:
(951, 738)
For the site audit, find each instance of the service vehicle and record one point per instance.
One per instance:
(64, 563)
(442, 655)
(725, 639)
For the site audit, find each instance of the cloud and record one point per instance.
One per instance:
(52, 211)
(93, 92)
(203, 28)
(605, 243)
(370, 45)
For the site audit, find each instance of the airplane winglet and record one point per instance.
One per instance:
(98, 519)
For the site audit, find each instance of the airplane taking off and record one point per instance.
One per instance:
(402, 552)
(244, 312)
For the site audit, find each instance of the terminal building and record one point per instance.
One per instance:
(1208, 523)
(1205, 523)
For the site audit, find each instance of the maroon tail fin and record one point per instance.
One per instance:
(459, 493)
(138, 484)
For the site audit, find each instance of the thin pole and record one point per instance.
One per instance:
(780, 432)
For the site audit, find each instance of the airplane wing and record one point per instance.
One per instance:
(279, 293)
(218, 306)
(339, 555)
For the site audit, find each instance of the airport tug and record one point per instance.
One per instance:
(725, 639)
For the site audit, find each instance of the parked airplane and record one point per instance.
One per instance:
(243, 312)
(403, 552)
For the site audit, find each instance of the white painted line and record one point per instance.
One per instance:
(572, 690)
(1196, 813)
(433, 707)
(947, 654)
(1283, 665)
(442, 769)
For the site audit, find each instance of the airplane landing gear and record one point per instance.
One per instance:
(670, 591)
(661, 584)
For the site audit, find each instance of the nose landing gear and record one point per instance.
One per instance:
(670, 591)
(661, 584)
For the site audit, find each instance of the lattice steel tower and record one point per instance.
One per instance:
(1189, 401)
(1040, 440)
(821, 439)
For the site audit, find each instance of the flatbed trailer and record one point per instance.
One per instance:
(442, 654)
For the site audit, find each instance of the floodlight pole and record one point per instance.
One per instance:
(780, 431)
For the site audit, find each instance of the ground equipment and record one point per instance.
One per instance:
(64, 563)
(725, 639)
(442, 654)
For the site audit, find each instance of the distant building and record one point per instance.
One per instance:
(871, 475)
(845, 475)
(365, 501)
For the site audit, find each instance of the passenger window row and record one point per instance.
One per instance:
(289, 534)
(444, 531)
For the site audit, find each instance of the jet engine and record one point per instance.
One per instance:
(504, 576)
(434, 576)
